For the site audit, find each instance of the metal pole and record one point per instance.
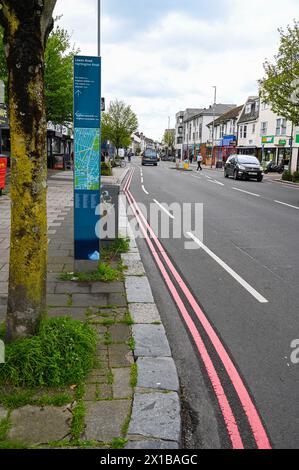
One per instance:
(214, 115)
(99, 28)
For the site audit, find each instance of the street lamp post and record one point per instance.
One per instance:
(99, 28)
(214, 115)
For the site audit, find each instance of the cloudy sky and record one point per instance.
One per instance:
(162, 56)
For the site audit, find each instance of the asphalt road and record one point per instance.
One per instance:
(251, 231)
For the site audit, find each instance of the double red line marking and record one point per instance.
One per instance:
(254, 420)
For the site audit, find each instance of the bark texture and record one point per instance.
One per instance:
(27, 24)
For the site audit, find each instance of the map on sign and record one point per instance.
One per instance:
(87, 159)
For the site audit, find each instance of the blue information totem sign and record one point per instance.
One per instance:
(87, 122)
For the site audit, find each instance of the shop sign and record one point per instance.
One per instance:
(268, 139)
(282, 142)
(297, 139)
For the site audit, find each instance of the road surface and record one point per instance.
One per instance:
(244, 279)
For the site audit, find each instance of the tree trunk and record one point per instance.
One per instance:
(27, 25)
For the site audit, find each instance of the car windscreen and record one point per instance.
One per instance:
(245, 160)
(150, 154)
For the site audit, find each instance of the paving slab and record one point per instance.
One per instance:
(107, 287)
(120, 355)
(77, 313)
(120, 333)
(89, 300)
(138, 290)
(72, 288)
(134, 268)
(121, 383)
(156, 415)
(112, 413)
(144, 313)
(157, 373)
(33, 425)
(151, 341)
(150, 444)
(130, 256)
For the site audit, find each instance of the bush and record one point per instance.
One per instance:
(287, 176)
(296, 176)
(106, 169)
(62, 353)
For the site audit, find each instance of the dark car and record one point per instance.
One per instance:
(243, 166)
(150, 157)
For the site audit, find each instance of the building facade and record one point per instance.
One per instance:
(225, 134)
(197, 137)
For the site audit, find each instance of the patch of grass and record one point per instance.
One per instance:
(107, 338)
(117, 247)
(118, 443)
(131, 343)
(77, 443)
(125, 426)
(134, 376)
(108, 322)
(12, 445)
(5, 426)
(110, 378)
(61, 399)
(2, 330)
(104, 273)
(69, 300)
(62, 353)
(78, 423)
(15, 399)
(127, 320)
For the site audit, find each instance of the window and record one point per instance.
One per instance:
(244, 132)
(253, 128)
(180, 130)
(265, 106)
(241, 132)
(180, 140)
(281, 126)
(248, 109)
(264, 128)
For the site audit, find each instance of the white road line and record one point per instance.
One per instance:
(163, 208)
(246, 192)
(144, 190)
(197, 177)
(230, 271)
(216, 182)
(288, 205)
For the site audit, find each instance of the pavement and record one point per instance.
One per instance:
(252, 229)
(120, 409)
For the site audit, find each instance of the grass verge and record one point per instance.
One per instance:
(62, 353)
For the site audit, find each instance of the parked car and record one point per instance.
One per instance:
(150, 157)
(243, 166)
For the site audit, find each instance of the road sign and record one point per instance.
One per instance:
(87, 119)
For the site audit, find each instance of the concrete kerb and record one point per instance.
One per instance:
(158, 387)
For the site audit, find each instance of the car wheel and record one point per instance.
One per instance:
(235, 175)
(225, 174)
(260, 179)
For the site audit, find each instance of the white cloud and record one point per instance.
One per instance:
(174, 64)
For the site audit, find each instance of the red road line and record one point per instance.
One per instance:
(258, 430)
(225, 407)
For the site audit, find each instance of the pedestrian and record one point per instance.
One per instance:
(191, 158)
(199, 162)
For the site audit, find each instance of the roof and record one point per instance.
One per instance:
(254, 113)
(231, 114)
(217, 109)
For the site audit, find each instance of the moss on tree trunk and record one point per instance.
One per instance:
(27, 25)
